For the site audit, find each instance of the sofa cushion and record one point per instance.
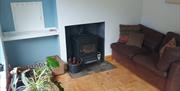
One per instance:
(123, 38)
(169, 36)
(136, 39)
(169, 56)
(127, 50)
(148, 61)
(171, 43)
(152, 39)
(125, 30)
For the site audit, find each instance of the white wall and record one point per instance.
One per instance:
(1, 48)
(3, 74)
(113, 12)
(161, 16)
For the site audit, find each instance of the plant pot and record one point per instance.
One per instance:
(75, 68)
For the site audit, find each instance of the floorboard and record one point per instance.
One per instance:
(118, 79)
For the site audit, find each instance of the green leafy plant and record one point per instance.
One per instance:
(41, 80)
(52, 63)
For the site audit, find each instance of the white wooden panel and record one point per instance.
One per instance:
(27, 16)
(3, 74)
(1, 48)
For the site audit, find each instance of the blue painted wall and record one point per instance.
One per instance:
(29, 51)
(6, 16)
(49, 10)
(50, 14)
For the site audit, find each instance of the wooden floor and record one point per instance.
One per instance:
(118, 79)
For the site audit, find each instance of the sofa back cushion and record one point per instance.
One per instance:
(169, 56)
(169, 36)
(135, 39)
(152, 39)
(171, 43)
(125, 30)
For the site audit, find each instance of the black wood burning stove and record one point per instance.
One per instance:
(85, 47)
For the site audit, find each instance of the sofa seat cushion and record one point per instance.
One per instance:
(149, 62)
(127, 50)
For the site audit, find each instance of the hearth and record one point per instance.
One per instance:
(85, 42)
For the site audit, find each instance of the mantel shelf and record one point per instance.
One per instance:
(12, 36)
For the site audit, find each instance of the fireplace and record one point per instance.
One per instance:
(85, 41)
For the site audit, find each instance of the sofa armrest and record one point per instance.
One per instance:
(173, 80)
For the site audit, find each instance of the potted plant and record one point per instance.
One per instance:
(41, 78)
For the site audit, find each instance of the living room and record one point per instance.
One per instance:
(160, 15)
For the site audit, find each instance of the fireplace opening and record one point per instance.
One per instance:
(85, 41)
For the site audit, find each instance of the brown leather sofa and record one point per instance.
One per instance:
(143, 61)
